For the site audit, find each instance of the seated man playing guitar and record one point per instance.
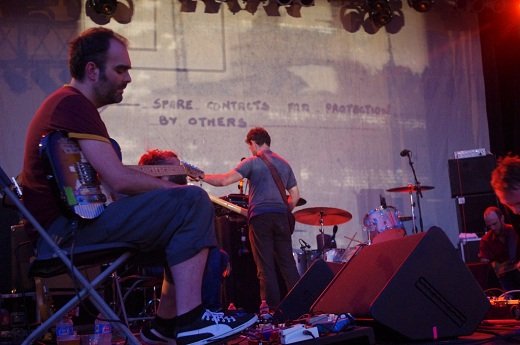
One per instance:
(155, 215)
(500, 247)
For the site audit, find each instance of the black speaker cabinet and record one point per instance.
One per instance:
(416, 286)
(241, 287)
(470, 176)
(299, 299)
(470, 210)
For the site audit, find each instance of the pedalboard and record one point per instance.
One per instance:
(503, 309)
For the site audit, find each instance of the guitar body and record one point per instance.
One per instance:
(77, 182)
(292, 221)
(502, 268)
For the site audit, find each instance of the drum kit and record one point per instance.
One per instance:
(381, 224)
(319, 216)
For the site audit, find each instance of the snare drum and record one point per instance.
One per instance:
(335, 255)
(382, 219)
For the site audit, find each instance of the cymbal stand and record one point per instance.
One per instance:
(412, 206)
(418, 197)
(322, 232)
(369, 235)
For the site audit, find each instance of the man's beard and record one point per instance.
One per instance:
(106, 93)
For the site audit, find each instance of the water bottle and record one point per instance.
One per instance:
(264, 308)
(103, 330)
(65, 329)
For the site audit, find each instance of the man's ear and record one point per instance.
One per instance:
(91, 71)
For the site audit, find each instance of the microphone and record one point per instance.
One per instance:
(405, 152)
(333, 238)
(382, 201)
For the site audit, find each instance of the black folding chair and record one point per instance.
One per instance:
(113, 255)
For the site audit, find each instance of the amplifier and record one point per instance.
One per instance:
(465, 181)
(469, 153)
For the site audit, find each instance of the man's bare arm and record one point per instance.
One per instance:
(114, 174)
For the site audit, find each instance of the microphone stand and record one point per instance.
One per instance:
(418, 196)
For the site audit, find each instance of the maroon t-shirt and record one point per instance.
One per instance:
(65, 109)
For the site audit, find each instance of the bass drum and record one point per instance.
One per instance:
(381, 219)
(383, 224)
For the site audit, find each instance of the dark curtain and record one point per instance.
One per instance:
(500, 40)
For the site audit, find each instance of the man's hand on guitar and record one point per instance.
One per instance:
(196, 178)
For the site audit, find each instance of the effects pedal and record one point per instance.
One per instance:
(503, 309)
(298, 333)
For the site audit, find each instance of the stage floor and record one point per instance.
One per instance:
(496, 332)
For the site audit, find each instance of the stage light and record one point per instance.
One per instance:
(421, 5)
(284, 2)
(104, 7)
(379, 11)
(306, 3)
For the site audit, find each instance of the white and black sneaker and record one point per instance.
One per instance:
(213, 327)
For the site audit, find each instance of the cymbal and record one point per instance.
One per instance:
(410, 188)
(317, 215)
(405, 218)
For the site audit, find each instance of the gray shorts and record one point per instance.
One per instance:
(179, 222)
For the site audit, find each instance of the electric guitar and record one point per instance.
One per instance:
(503, 267)
(78, 184)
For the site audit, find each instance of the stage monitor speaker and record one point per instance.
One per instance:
(470, 176)
(416, 286)
(299, 299)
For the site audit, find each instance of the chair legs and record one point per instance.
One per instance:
(149, 306)
(88, 290)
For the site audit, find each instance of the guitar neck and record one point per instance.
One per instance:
(226, 204)
(159, 170)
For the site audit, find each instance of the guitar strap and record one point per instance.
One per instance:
(276, 177)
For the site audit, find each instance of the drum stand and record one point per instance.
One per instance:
(369, 236)
(412, 207)
(417, 188)
(322, 233)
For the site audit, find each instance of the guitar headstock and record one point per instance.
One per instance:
(192, 171)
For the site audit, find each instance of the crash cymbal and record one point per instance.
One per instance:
(322, 215)
(408, 189)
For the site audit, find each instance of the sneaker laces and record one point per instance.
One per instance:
(217, 317)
